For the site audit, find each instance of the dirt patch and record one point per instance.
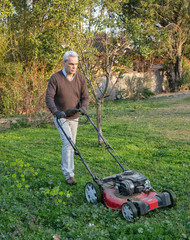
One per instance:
(34, 121)
(5, 123)
(176, 95)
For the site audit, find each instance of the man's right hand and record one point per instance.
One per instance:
(59, 114)
(83, 111)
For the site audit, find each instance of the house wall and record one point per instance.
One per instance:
(154, 80)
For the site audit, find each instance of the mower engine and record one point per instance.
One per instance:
(130, 182)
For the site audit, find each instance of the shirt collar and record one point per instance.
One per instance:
(65, 74)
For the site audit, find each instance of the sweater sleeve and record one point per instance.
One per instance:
(50, 93)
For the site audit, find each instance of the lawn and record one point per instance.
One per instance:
(150, 136)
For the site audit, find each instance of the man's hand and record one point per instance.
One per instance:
(71, 112)
(59, 114)
(83, 111)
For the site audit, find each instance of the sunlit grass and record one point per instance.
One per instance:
(149, 136)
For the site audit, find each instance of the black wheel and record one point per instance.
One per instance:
(129, 211)
(173, 197)
(93, 193)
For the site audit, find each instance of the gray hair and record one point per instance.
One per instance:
(69, 54)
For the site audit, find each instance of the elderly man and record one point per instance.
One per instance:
(67, 89)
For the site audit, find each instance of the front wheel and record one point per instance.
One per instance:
(173, 197)
(92, 193)
(129, 211)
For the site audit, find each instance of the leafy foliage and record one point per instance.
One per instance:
(160, 28)
(136, 88)
(23, 89)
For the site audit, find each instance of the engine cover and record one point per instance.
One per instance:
(130, 182)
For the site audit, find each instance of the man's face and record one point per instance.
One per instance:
(71, 65)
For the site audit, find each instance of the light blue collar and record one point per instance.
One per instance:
(65, 74)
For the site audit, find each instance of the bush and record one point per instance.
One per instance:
(22, 93)
(185, 80)
(146, 93)
(23, 89)
(136, 88)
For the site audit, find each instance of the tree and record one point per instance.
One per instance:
(100, 43)
(37, 29)
(174, 17)
(32, 34)
(160, 27)
(6, 10)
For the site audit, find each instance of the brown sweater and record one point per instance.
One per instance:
(63, 94)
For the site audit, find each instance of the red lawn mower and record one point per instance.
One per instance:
(128, 191)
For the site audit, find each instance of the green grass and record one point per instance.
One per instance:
(150, 136)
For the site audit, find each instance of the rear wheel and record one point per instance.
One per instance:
(129, 211)
(92, 193)
(173, 197)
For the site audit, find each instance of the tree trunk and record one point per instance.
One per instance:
(178, 71)
(174, 74)
(99, 121)
(171, 77)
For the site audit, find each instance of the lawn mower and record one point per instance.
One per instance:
(129, 192)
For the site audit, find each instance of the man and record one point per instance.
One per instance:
(67, 89)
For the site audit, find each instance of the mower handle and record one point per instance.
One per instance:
(71, 112)
(96, 179)
(107, 145)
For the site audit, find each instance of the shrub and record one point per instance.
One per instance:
(136, 88)
(146, 93)
(23, 90)
(185, 80)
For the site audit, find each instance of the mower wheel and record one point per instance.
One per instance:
(129, 211)
(173, 197)
(92, 193)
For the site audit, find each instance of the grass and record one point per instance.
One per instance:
(150, 136)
